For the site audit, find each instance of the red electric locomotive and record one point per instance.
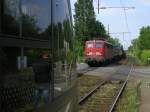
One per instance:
(99, 51)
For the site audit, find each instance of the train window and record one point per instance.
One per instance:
(12, 62)
(0, 15)
(89, 45)
(18, 76)
(99, 45)
(10, 19)
(9, 60)
(31, 19)
(63, 47)
(36, 18)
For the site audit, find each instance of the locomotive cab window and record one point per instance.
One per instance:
(90, 45)
(99, 45)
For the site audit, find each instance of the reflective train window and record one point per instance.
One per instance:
(0, 16)
(36, 27)
(99, 45)
(18, 77)
(63, 50)
(89, 45)
(36, 18)
(10, 17)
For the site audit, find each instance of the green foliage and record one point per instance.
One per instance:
(100, 30)
(130, 99)
(141, 46)
(144, 38)
(86, 26)
(144, 56)
(114, 41)
(84, 19)
(29, 25)
(79, 49)
(69, 56)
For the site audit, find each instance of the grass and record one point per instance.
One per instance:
(130, 98)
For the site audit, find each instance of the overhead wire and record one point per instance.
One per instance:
(126, 20)
(125, 14)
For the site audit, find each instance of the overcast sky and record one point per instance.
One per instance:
(138, 17)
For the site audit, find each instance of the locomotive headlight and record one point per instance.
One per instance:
(98, 53)
(90, 53)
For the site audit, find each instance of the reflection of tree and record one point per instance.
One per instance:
(32, 55)
(63, 38)
(10, 25)
(99, 30)
(67, 31)
(10, 20)
(0, 14)
(47, 34)
(29, 27)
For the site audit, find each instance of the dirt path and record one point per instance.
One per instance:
(145, 89)
(145, 100)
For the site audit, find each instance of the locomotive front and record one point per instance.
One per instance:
(94, 52)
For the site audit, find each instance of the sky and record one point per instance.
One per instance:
(115, 18)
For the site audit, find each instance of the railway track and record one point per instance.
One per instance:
(104, 96)
(86, 83)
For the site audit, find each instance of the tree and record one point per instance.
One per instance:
(100, 30)
(84, 19)
(144, 38)
(141, 45)
(30, 27)
(114, 41)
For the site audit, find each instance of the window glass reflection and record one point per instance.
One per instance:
(19, 85)
(89, 45)
(10, 20)
(35, 23)
(63, 53)
(98, 45)
(36, 18)
(0, 15)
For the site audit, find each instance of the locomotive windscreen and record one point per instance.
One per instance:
(89, 45)
(99, 45)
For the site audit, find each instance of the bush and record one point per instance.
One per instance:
(145, 54)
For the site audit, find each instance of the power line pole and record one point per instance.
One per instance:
(98, 5)
(108, 29)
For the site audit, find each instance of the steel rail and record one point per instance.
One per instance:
(117, 96)
(91, 92)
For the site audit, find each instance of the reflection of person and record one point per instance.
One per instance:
(42, 69)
